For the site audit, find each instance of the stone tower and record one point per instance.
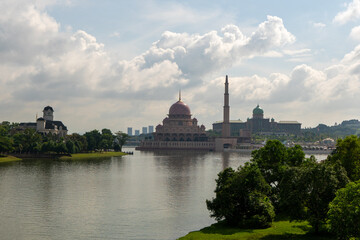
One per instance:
(48, 113)
(226, 121)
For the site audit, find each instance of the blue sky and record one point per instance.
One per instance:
(114, 64)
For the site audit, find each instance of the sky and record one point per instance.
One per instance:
(117, 64)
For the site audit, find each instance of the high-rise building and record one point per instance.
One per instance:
(137, 132)
(144, 130)
(151, 129)
(129, 131)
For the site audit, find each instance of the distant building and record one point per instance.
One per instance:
(129, 131)
(178, 131)
(261, 125)
(151, 129)
(46, 124)
(137, 132)
(144, 130)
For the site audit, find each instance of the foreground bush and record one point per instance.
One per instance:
(344, 213)
(241, 198)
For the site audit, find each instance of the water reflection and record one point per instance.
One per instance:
(148, 195)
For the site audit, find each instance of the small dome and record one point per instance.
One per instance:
(48, 108)
(40, 119)
(179, 108)
(258, 110)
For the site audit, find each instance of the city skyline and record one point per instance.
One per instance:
(114, 64)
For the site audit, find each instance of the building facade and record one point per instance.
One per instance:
(46, 124)
(260, 125)
(178, 131)
(129, 131)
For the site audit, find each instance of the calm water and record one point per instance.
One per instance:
(143, 196)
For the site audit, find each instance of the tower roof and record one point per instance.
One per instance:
(48, 108)
(258, 110)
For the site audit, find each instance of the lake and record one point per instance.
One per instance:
(145, 196)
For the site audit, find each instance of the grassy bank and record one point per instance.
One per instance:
(280, 230)
(8, 159)
(80, 156)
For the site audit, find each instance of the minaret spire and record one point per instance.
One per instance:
(180, 95)
(226, 120)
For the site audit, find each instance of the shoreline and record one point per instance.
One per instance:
(81, 156)
(8, 158)
(75, 156)
(281, 229)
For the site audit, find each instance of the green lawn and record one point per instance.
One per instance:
(280, 230)
(80, 156)
(8, 159)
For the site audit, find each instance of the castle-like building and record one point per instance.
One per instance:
(179, 131)
(46, 124)
(260, 125)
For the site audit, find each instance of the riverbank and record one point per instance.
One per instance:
(9, 159)
(81, 156)
(280, 230)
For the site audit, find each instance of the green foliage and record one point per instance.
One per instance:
(273, 159)
(120, 140)
(280, 230)
(346, 128)
(93, 140)
(306, 191)
(27, 141)
(6, 144)
(344, 213)
(348, 154)
(241, 198)
(107, 139)
(79, 141)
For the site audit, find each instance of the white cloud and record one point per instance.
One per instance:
(41, 65)
(351, 13)
(355, 33)
(319, 25)
(315, 95)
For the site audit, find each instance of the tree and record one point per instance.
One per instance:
(71, 147)
(93, 139)
(120, 140)
(6, 144)
(306, 191)
(344, 212)
(273, 159)
(348, 154)
(79, 141)
(241, 198)
(28, 140)
(107, 139)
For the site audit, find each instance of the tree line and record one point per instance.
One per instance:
(30, 141)
(280, 181)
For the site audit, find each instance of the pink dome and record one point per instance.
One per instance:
(179, 108)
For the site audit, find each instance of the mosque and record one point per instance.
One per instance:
(46, 124)
(180, 131)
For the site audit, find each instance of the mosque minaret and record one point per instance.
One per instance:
(226, 121)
